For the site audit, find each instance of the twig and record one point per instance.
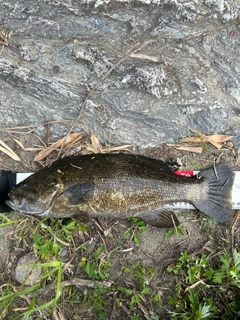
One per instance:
(107, 253)
(195, 285)
(236, 217)
(143, 56)
(86, 283)
(143, 309)
(57, 239)
(74, 282)
(174, 224)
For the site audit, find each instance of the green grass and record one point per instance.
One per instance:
(136, 227)
(143, 291)
(206, 286)
(95, 266)
(47, 244)
(202, 285)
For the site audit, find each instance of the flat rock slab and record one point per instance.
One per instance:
(188, 77)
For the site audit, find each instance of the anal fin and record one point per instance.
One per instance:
(161, 219)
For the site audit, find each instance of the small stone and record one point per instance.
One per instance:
(25, 269)
(64, 254)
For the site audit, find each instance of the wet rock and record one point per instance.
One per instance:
(28, 276)
(187, 78)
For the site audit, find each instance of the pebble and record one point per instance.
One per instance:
(31, 274)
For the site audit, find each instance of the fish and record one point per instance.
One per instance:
(120, 186)
(8, 181)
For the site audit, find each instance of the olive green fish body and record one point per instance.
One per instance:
(123, 197)
(118, 186)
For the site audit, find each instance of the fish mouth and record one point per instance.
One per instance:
(21, 205)
(13, 202)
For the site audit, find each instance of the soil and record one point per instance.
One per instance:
(154, 250)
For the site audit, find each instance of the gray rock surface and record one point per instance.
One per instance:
(186, 79)
(26, 272)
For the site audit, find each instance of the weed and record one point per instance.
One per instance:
(200, 282)
(4, 220)
(142, 292)
(178, 230)
(9, 296)
(136, 227)
(205, 288)
(47, 243)
(95, 266)
(95, 299)
(207, 223)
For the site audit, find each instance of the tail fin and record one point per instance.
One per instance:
(217, 200)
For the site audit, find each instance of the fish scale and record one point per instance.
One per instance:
(177, 205)
(119, 186)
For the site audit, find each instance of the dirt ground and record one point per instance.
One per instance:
(154, 250)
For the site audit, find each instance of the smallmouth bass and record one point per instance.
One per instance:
(120, 186)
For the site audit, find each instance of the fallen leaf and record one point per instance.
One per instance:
(110, 149)
(96, 145)
(205, 138)
(218, 138)
(6, 149)
(119, 148)
(190, 149)
(64, 142)
(186, 147)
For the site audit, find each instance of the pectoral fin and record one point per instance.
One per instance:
(79, 193)
(161, 219)
(81, 217)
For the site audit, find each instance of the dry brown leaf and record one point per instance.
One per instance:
(110, 149)
(186, 147)
(205, 138)
(119, 148)
(6, 149)
(96, 145)
(218, 138)
(190, 149)
(65, 141)
(91, 149)
(20, 144)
